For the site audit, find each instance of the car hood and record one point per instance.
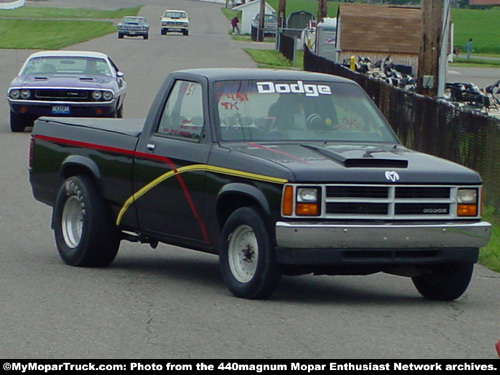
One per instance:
(356, 163)
(63, 81)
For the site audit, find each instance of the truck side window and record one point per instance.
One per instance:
(182, 116)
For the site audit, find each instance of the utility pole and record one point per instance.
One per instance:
(281, 13)
(322, 10)
(260, 32)
(428, 60)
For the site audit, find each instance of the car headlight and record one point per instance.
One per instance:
(25, 94)
(15, 94)
(107, 95)
(467, 202)
(96, 95)
(307, 195)
(305, 202)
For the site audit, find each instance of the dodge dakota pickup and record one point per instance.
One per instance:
(276, 172)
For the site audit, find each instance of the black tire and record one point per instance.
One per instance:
(444, 282)
(146, 36)
(163, 32)
(119, 112)
(84, 232)
(18, 123)
(186, 32)
(246, 258)
(120, 36)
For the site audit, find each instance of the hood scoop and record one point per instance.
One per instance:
(367, 161)
(375, 163)
(90, 79)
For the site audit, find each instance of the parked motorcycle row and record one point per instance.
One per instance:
(460, 94)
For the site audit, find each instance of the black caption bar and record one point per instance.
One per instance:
(250, 366)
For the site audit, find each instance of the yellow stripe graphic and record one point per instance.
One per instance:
(191, 168)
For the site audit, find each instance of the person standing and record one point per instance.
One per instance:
(468, 48)
(234, 23)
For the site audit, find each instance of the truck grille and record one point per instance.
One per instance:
(63, 94)
(388, 202)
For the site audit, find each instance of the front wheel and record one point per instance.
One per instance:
(84, 232)
(444, 282)
(247, 259)
(18, 123)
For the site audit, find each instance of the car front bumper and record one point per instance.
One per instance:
(80, 109)
(325, 243)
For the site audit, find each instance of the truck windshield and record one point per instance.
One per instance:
(252, 110)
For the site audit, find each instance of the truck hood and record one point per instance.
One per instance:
(360, 163)
(62, 81)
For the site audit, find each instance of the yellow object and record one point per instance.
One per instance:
(353, 63)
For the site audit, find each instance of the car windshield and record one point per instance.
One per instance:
(64, 65)
(175, 14)
(133, 20)
(251, 110)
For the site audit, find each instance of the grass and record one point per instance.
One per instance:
(480, 25)
(47, 13)
(55, 28)
(475, 62)
(46, 34)
(489, 256)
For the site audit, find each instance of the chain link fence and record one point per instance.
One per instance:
(432, 126)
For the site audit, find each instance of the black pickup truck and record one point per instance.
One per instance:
(277, 172)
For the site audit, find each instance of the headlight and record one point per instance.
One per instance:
(107, 95)
(25, 94)
(468, 203)
(307, 195)
(307, 201)
(96, 95)
(15, 94)
(467, 196)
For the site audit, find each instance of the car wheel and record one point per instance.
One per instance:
(247, 259)
(84, 232)
(186, 32)
(146, 36)
(445, 282)
(119, 112)
(18, 123)
(120, 36)
(163, 32)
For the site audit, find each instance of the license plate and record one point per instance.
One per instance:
(60, 110)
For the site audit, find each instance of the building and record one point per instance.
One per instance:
(248, 13)
(376, 31)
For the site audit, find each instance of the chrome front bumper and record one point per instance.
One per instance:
(308, 235)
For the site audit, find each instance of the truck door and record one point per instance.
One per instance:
(169, 174)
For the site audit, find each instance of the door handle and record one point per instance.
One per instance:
(150, 147)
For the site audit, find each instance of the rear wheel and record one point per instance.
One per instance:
(84, 232)
(247, 259)
(444, 282)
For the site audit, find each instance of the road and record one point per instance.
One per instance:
(171, 302)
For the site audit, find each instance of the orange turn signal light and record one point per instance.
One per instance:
(307, 209)
(467, 210)
(287, 202)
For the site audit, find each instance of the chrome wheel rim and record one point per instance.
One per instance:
(72, 221)
(243, 252)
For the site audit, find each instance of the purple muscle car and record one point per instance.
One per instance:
(65, 83)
